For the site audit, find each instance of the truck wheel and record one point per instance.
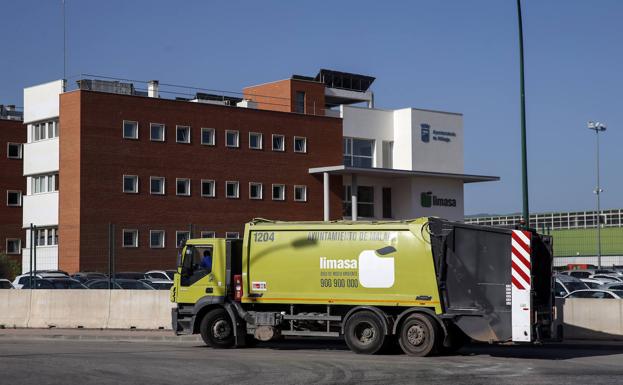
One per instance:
(364, 333)
(216, 329)
(418, 335)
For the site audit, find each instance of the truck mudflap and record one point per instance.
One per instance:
(494, 283)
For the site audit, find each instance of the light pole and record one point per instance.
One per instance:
(524, 152)
(598, 127)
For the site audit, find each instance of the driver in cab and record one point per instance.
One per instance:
(206, 261)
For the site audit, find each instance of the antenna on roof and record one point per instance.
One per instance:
(64, 47)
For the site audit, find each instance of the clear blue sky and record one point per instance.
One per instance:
(450, 55)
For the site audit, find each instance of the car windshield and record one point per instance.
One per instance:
(171, 273)
(575, 285)
(5, 285)
(618, 292)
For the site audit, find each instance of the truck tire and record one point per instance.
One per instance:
(456, 338)
(364, 333)
(419, 335)
(217, 330)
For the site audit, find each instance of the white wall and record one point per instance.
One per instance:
(403, 149)
(41, 157)
(369, 123)
(47, 257)
(40, 209)
(437, 155)
(41, 101)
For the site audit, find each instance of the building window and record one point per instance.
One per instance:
(300, 144)
(182, 186)
(279, 143)
(181, 237)
(156, 239)
(130, 238)
(46, 236)
(231, 138)
(130, 184)
(387, 202)
(156, 185)
(182, 134)
(365, 202)
(358, 152)
(208, 234)
(13, 198)
(156, 132)
(255, 190)
(388, 154)
(13, 246)
(232, 235)
(279, 192)
(299, 102)
(14, 151)
(44, 183)
(232, 189)
(300, 193)
(44, 130)
(130, 129)
(208, 136)
(255, 140)
(208, 189)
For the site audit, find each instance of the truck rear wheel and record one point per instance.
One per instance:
(217, 330)
(364, 333)
(418, 335)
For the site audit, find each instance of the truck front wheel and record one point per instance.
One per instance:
(217, 330)
(418, 335)
(363, 333)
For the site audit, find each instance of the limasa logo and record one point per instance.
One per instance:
(427, 199)
(375, 267)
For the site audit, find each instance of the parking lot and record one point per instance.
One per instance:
(101, 357)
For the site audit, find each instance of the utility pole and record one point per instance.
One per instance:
(598, 127)
(524, 155)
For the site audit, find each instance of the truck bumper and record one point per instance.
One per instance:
(181, 323)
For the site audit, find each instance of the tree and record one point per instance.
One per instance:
(9, 268)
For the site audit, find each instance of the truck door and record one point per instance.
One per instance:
(203, 272)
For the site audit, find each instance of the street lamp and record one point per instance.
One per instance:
(598, 127)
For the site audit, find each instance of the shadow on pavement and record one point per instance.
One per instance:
(553, 351)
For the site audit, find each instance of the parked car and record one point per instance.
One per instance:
(20, 280)
(160, 274)
(88, 276)
(612, 286)
(6, 284)
(597, 293)
(158, 284)
(131, 284)
(592, 283)
(129, 275)
(565, 284)
(578, 273)
(609, 272)
(606, 278)
(54, 283)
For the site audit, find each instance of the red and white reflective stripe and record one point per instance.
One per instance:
(520, 259)
(521, 296)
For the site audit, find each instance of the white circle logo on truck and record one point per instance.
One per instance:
(375, 270)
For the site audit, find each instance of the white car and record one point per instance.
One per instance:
(6, 284)
(597, 293)
(166, 275)
(607, 278)
(21, 280)
(593, 283)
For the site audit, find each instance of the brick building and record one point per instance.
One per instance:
(12, 183)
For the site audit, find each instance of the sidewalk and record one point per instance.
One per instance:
(98, 334)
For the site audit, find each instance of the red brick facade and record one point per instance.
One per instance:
(11, 179)
(94, 156)
(281, 95)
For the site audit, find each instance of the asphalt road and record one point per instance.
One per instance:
(33, 360)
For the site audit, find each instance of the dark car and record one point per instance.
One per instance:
(84, 277)
(128, 284)
(54, 283)
(158, 284)
(129, 275)
(6, 284)
(565, 284)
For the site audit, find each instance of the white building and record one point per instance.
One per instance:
(41, 167)
(404, 163)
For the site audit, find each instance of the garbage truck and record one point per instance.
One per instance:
(427, 285)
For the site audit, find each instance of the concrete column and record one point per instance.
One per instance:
(325, 196)
(353, 195)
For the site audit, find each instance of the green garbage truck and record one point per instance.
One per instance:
(427, 285)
